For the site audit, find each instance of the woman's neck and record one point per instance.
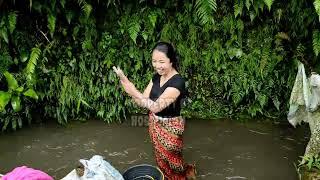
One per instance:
(169, 74)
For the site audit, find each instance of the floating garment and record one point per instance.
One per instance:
(95, 169)
(25, 173)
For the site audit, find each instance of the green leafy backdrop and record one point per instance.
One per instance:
(239, 57)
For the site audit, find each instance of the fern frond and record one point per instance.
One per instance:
(300, 50)
(283, 35)
(205, 9)
(87, 44)
(69, 16)
(153, 18)
(316, 4)
(264, 60)
(316, 42)
(81, 2)
(6, 62)
(111, 2)
(51, 24)
(279, 14)
(63, 3)
(87, 8)
(53, 3)
(238, 7)
(12, 18)
(262, 98)
(193, 35)
(165, 32)
(30, 4)
(268, 3)
(240, 25)
(248, 4)
(35, 54)
(134, 29)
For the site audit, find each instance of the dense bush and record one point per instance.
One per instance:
(239, 57)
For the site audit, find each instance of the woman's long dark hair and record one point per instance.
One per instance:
(169, 51)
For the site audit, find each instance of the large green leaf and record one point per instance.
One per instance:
(24, 56)
(20, 89)
(4, 99)
(16, 103)
(4, 35)
(31, 93)
(12, 82)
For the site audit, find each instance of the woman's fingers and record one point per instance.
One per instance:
(120, 74)
(118, 71)
(115, 70)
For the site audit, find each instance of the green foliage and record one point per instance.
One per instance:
(238, 56)
(19, 89)
(14, 95)
(32, 63)
(268, 3)
(86, 8)
(205, 9)
(15, 90)
(134, 29)
(12, 19)
(310, 162)
(51, 23)
(316, 4)
(4, 99)
(12, 82)
(31, 93)
(316, 42)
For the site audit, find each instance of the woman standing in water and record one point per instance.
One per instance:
(163, 97)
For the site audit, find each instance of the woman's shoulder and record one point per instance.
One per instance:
(155, 77)
(177, 81)
(180, 78)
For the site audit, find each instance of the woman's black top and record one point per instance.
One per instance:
(176, 81)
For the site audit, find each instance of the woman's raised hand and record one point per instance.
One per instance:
(120, 74)
(126, 84)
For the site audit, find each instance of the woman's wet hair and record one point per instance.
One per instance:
(169, 51)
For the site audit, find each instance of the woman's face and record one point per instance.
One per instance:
(161, 63)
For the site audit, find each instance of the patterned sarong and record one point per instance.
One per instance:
(166, 136)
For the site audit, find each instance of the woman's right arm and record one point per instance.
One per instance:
(145, 94)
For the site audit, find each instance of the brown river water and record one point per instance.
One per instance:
(221, 149)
